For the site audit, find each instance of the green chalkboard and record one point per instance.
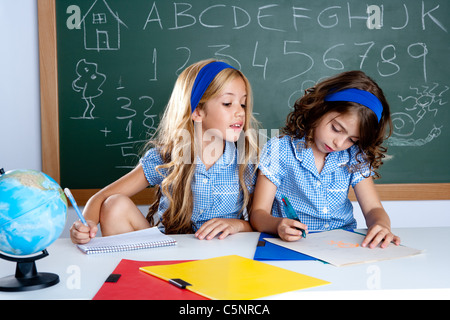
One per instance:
(118, 60)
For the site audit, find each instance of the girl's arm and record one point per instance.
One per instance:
(128, 185)
(224, 226)
(377, 220)
(261, 218)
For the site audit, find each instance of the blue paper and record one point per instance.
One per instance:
(270, 251)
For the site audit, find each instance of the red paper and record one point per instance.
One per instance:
(137, 285)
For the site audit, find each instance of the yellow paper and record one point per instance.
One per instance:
(234, 278)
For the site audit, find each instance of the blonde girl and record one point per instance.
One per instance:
(203, 162)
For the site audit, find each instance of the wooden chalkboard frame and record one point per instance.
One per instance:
(50, 125)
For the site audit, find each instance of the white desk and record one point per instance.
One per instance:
(82, 275)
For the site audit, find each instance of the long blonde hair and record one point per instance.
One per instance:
(178, 149)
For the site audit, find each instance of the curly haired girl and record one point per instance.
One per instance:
(332, 140)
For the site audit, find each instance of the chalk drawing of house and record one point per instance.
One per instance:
(101, 27)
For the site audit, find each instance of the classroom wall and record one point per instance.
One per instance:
(20, 146)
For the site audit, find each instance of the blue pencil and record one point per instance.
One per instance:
(74, 204)
(290, 212)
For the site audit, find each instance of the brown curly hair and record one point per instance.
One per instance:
(310, 108)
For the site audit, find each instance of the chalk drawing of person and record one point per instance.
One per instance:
(88, 82)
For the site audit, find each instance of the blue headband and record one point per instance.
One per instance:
(203, 80)
(363, 97)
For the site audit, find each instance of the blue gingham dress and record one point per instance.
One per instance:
(215, 191)
(320, 200)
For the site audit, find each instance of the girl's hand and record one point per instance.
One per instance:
(376, 217)
(288, 229)
(213, 227)
(81, 234)
(378, 234)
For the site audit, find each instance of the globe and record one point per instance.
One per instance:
(33, 212)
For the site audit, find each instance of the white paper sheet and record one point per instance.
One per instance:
(340, 248)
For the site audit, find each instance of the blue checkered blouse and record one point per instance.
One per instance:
(215, 191)
(320, 200)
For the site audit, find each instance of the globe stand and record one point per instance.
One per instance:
(26, 277)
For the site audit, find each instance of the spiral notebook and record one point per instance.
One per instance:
(141, 239)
